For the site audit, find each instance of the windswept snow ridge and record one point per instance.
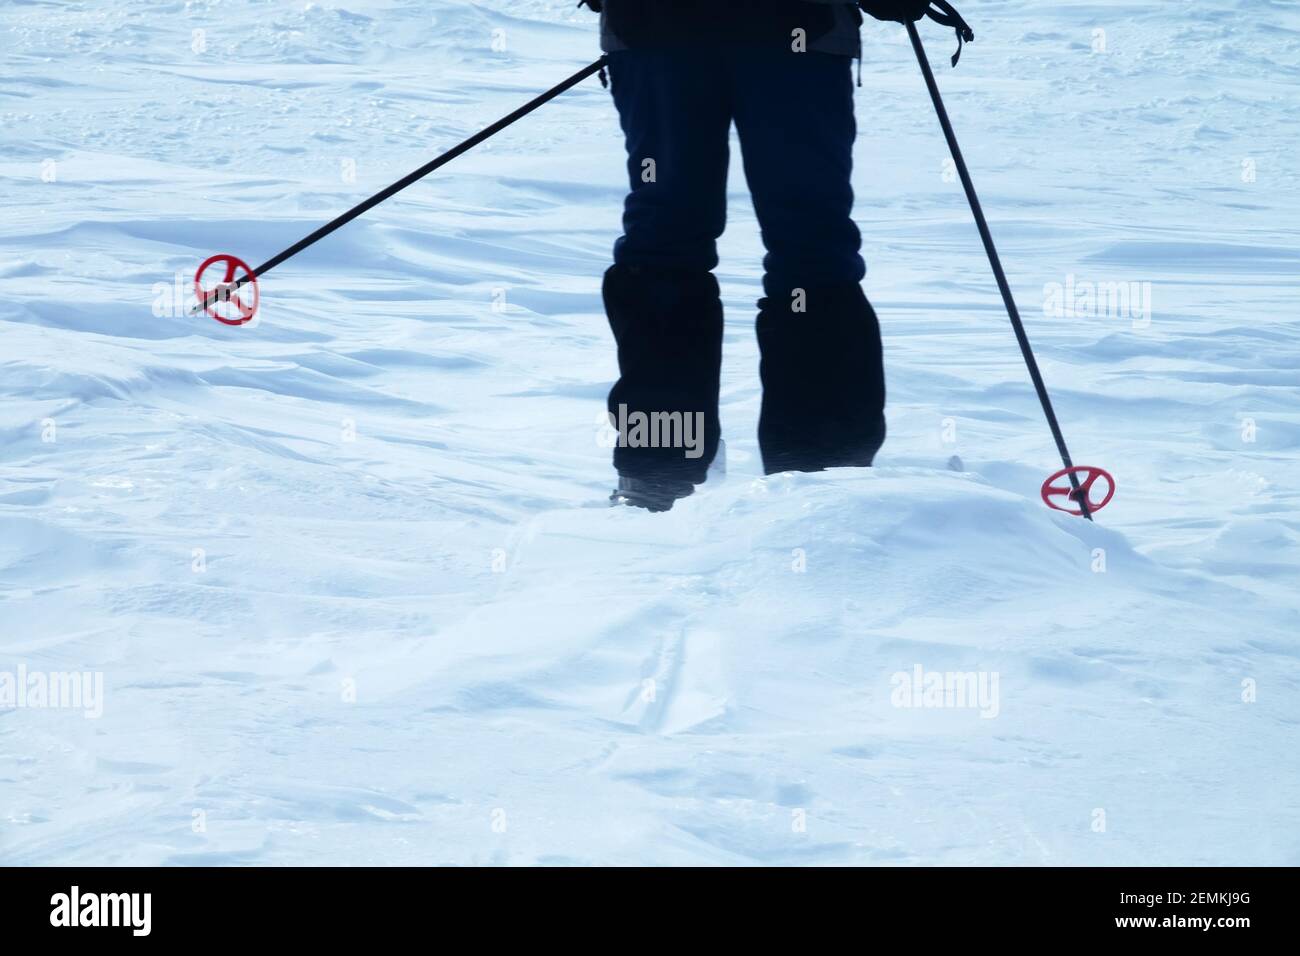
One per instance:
(345, 573)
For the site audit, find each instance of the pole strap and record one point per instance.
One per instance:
(948, 16)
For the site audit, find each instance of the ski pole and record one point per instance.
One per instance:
(1079, 494)
(225, 291)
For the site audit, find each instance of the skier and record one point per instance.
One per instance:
(681, 72)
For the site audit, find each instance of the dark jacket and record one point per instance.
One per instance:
(830, 26)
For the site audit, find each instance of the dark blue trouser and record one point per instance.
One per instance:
(794, 116)
(823, 384)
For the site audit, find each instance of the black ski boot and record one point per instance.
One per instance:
(664, 406)
(652, 494)
(661, 494)
(823, 381)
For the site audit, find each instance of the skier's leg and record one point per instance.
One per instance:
(660, 295)
(823, 381)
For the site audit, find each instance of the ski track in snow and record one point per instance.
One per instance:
(537, 678)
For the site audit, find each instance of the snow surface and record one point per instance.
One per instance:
(434, 644)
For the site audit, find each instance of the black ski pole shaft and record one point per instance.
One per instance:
(1012, 312)
(388, 191)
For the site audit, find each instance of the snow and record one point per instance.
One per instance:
(348, 574)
